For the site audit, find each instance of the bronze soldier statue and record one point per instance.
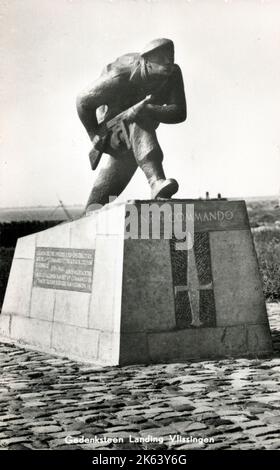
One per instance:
(153, 80)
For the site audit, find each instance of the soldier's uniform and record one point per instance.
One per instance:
(121, 85)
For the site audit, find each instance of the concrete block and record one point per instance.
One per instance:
(83, 232)
(197, 343)
(174, 346)
(42, 303)
(232, 340)
(127, 301)
(31, 331)
(72, 308)
(259, 338)
(58, 236)
(5, 324)
(105, 304)
(134, 349)
(148, 297)
(25, 247)
(109, 348)
(74, 341)
(110, 220)
(18, 292)
(237, 284)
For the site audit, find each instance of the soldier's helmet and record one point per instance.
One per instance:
(159, 44)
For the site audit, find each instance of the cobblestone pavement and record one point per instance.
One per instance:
(235, 402)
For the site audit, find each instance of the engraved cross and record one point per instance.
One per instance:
(193, 288)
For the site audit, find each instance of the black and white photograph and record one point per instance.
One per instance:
(139, 229)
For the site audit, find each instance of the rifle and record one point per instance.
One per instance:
(117, 124)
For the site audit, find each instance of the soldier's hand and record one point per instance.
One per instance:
(135, 112)
(97, 142)
(139, 110)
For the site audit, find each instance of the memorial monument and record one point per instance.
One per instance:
(146, 281)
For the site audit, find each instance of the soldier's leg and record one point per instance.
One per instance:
(112, 179)
(149, 156)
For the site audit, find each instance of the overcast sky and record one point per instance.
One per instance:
(229, 53)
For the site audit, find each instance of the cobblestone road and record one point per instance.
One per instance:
(235, 402)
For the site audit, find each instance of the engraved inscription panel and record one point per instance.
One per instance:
(157, 219)
(63, 268)
(193, 284)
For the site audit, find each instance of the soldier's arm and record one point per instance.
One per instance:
(175, 110)
(99, 93)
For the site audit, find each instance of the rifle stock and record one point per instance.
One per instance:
(96, 153)
(94, 158)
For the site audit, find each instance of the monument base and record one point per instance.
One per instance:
(86, 290)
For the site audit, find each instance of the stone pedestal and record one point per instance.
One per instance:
(86, 290)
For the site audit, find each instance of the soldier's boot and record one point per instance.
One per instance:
(164, 188)
(160, 186)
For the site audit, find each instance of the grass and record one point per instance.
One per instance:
(263, 212)
(267, 243)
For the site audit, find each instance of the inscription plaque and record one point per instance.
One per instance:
(63, 268)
